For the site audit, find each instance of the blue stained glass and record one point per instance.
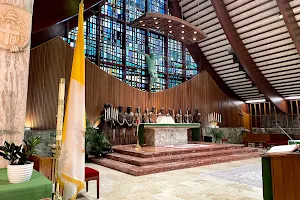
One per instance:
(191, 66)
(135, 9)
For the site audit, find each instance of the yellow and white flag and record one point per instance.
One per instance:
(71, 162)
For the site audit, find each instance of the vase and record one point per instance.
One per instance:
(19, 173)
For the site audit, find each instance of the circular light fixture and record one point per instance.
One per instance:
(169, 21)
(170, 31)
(156, 22)
(280, 16)
(182, 31)
(143, 24)
(157, 27)
(194, 39)
(182, 26)
(195, 32)
(141, 21)
(170, 26)
(182, 38)
(155, 18)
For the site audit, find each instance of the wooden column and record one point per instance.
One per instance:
(14, 68)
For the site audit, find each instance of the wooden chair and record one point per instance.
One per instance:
(91, 174)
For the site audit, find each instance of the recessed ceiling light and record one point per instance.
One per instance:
(157, 27)
(182, 31)
(143, 24)
(170, 31)
(170, 26)
(182, 26)
(169, 21)
(195, 32)
(155, 18)
(156, 22)
(182, 38)
(194, 39)
(280, 16)
(141, 21)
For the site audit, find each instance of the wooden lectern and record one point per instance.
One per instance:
(281, 176)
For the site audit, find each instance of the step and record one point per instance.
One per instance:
(173, 158)
(150, 169)
(165, 151)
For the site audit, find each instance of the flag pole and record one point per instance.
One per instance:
(59, 126)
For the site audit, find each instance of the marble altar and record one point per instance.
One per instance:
(167, 134)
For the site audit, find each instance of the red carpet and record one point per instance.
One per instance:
(149, 160)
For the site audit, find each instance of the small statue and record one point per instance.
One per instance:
(153, 116)
(162, 112)
(129, 116)
(121, 115)
(146, 116)
(188, 117)
(179, 116)
(170, 113)
(197, 118)
(150, 61)
(138, 115)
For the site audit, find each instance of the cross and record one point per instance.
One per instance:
(7, 32)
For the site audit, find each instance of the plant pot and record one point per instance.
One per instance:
(19, 173)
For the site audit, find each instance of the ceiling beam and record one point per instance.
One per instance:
(244, 57)
(290, 22)
(203, 63)
(48, 24)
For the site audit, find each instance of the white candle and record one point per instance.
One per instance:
(60, 109)
(105, 114)
(220, 118)
(117, 114)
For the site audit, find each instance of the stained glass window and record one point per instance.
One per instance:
(134, 9)
(174, 57)
(191, 66)
(115, 46)
(113, 8)
(111, 45)
(135, 47)
(116, 71)
(157, 6)
(156, 46)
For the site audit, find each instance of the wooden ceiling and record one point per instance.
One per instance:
(56, 17)
(265, 36)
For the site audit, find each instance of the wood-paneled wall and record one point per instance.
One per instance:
(53, 60)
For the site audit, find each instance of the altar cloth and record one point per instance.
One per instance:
(38, 187)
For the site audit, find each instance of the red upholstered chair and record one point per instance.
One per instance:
(91, 174)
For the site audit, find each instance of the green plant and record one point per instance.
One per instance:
(19, 155)
(96, 142)
(217, 134)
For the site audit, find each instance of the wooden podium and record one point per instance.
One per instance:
(281, 176)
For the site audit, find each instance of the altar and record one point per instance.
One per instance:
(159, 134)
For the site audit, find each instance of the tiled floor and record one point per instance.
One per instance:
(238, 180)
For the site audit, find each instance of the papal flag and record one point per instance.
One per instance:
(71, 162)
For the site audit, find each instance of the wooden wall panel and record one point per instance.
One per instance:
(53, 60)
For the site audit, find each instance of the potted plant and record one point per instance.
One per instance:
(217, 134)
(19, 169)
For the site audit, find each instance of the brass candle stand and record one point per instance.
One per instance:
(56, 148)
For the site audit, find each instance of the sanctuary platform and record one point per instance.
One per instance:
(149, 160)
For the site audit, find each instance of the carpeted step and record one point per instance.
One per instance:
(173, 158)
(150, 169)
(164, 151)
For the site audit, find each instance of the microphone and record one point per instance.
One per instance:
(276, 122)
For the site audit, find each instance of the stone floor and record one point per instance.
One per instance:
(238, 180)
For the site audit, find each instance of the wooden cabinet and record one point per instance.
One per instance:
(281, 176)
(44, 165)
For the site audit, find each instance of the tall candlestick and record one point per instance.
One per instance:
(60, 109)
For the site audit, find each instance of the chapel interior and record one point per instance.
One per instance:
(181, 99)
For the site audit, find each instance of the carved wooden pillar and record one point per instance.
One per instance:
(15, 33)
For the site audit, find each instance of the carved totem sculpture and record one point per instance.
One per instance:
(179, 117)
